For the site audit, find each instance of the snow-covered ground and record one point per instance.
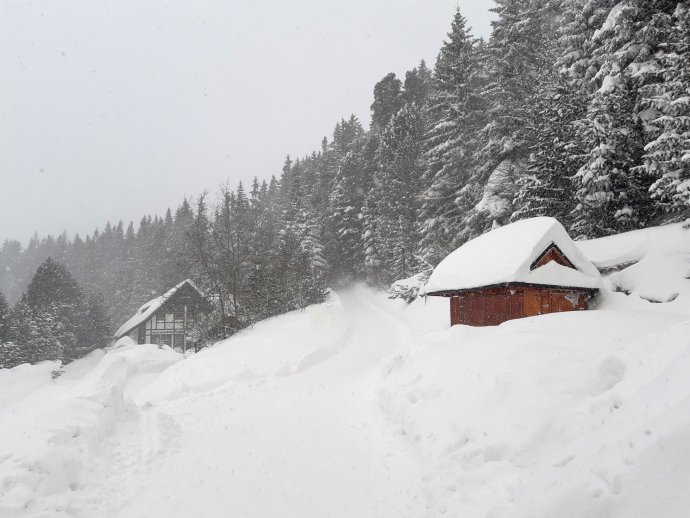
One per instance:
(364, 406)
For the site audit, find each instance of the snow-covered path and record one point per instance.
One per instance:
(314, 442)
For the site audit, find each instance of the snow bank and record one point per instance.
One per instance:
(613, 251)
(498, 414)
(506, 254)
(652, 263)
(634, 460)
(656, 278)
(51, 428)
(23, 380)
(276, 347)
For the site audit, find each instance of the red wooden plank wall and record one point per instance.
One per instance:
(493, 306)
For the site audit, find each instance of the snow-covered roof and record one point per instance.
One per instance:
(506, 255)
(148, 309)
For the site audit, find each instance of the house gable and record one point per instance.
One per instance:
(552, 253)
(185, 293)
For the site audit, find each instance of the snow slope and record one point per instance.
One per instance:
(364, 406)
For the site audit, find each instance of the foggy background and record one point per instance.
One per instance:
(111, 110)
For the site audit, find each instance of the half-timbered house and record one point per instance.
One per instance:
(169, 319)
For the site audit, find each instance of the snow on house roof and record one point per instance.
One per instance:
(506, 255)
(147, 309)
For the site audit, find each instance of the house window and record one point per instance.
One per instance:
(160, 321)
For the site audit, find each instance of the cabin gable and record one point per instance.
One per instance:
(552, 253)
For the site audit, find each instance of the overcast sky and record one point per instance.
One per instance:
(112, 109)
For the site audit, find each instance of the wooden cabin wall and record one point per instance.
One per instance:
(494, 306)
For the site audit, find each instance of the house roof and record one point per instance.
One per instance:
(506, 255)
(147, 310)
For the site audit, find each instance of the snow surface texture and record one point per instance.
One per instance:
(370, 407)
(609, 252)
(505, 255)
(410, 288)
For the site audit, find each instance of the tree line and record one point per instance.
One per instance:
(53, 320)
(577, 109)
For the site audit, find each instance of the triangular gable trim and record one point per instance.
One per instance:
(552, 247)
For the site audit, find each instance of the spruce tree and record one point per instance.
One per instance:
(611, 197)
(95, 330)
(4, 319)
(397, 187)
(58, 304)
(667, 155)
(547, 187)
(417, 85)
(387, 101)
(37, 333)
(456, 111)
(344, 220)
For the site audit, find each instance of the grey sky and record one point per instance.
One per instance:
(112, 109)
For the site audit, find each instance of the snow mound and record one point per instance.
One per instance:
(279, 346)
(49, 435)
(506, 254)
(23, 380)
(628, 247)
(568, 414)
(408, 289)
(653, 263)
(656, 278)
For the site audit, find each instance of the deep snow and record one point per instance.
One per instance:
(364, 406)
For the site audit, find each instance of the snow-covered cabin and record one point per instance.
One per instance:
(168, 319)
(527, 268)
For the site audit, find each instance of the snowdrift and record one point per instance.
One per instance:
(650, 263)
(276, 347)
(52, 429)
(365, 406)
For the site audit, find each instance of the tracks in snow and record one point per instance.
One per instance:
(311, 441)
